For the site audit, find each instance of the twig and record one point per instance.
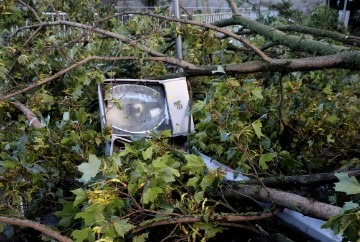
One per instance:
(320, 178)
(215, 218)
(234, 8)
(191, 17)
(144, 48)
(32, 36)
(36, 226)
(31, 9)
(91, 58)
(212, 27)
(114, 35)
(29, 115)
(243, 226)
(171, 233)
(281, 104)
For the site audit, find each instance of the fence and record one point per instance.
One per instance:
(205, 15)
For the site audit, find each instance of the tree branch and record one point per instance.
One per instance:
(285, 199)
(292, 41)
(90, 28)
(91, 58)
(281, 105)
(348, 39)
(213, 218)
(347, 60)
(212, 27)
(321, 178)
(234, 7)
(31, 9)
(36, 226)
(29, 115)
(142, 47)
(191, 17)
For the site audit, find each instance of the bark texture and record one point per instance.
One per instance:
(285, 199)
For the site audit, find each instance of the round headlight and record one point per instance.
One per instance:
(135, 108)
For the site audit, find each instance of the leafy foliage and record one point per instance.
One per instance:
(145, 177)
(260, 124)
(348, 221)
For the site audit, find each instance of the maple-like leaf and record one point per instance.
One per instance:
(347, 184)
(89, 169)
(122, 227)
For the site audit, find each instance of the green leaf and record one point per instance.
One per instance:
(141, 237)
(230, 153)
(347, 184)
(195, 164)
(265, 158)
(332, 119)
(349, 205)
(166, 133)
(199, 196)
(81, 235)
(330, 138)
(76, 94)
(23, 59)
(67, 214)
(122, 227)
(147, 154)
(47, 98)
(256, 92)
(132, 188)
(80, 196)
(151, 194)
(194, 181)
(224, 136)
(207, 181)
(89, 169)
(92, 214)
(168, 174)
(3, 72)
(266, 142)
(210, 229)
(257, 128)
(9, 164)
(327, 89)
(234, 83)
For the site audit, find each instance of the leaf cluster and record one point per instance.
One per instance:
(122, 193)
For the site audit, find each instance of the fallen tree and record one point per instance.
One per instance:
(266, 107)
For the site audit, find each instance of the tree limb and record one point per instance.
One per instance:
(90, 28)
(31, 9)
(191, 17)
(214, 218)
(29, 115)
(212, 27)
(234, 7)
(36, 226)
(142, 47)
(285, 199)
(321, 178)
(348, 39)
(347, 60)
(91, 58)
(294, 42)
